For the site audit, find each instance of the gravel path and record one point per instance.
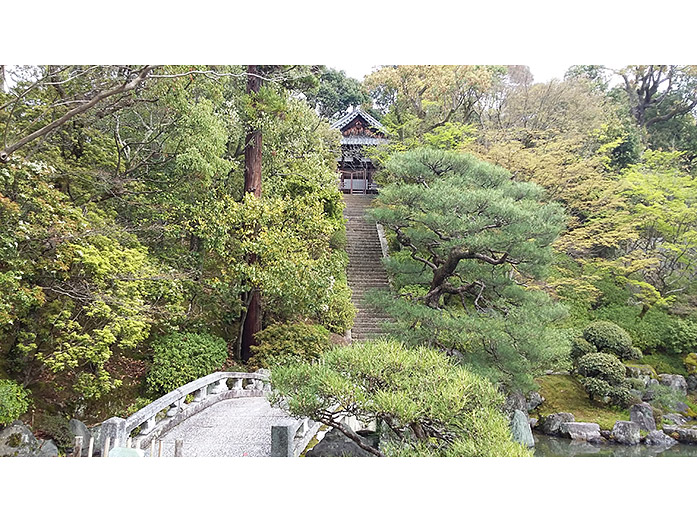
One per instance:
(232, 428)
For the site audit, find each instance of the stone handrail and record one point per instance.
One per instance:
(206, 391)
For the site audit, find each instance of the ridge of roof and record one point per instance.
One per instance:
(341, 122)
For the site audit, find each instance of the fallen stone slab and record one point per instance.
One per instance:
(581, 431)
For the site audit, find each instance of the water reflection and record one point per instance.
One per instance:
(549, 446)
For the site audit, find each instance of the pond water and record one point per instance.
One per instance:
(549, 446)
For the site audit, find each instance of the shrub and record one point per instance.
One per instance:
(183, 357)
(666, 397)
(56, 428)
(580, 347)
(603, 366)
(611, 338)
(682, 336)
(340, 312)
(14, 401)
(665, 363)
(277, 343)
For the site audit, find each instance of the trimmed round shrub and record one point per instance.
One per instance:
(596, 388)
(14, 401)
(278, 343)
(604, 366)
(580, 347)
(182, 357)
(611, 338)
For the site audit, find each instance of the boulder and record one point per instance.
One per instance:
(552, 424)
(18, 440)
(336, 444)
(581, 431)
(626, 433)
(47, 449)
(78, 428)
(691, 382)
(674, 381)
(659, 438)
(681, 408)
(520, 429)
(642, 415)
(648, 395)
(683, 435)
(674, 419)
(534, 400)
(514, 401)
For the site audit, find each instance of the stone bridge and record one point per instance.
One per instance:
(224, 414)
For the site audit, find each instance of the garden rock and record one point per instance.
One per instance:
(535, 399)
(514, 401)
(683, 435)
(626, 433)
(642, 415)
(520, 429)
(581, 431)
(336, 444)
(659, 439)
(552, 424)
(649, 395)
(674, 381)
(533, 422)
(691, 382)
(78, 428)
(18, 440)
(47, 449)
(674, 419)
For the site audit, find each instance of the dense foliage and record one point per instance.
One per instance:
(14, 401)
(427, 404)
(125, 220)
(179, 358)
(277, 343)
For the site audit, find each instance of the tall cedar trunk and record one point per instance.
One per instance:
(252, 184)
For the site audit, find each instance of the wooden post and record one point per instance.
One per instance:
(90, 448)
(77, 449)
(159, 448)
(105, 450)
(178, 448)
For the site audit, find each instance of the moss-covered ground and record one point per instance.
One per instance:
(563, 393)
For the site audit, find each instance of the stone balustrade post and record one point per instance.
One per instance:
(148, 426)
(200, 394)
(237, 384)
(219, 387)
(115, 430)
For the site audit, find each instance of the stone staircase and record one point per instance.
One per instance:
(365, 269)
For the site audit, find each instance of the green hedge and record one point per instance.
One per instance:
(183, 357)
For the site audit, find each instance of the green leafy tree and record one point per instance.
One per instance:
(336, 92)
(427, 404)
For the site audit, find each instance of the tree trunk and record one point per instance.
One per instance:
(252, 184)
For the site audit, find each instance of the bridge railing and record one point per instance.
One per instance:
(206, 391)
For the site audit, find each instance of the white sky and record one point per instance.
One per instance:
(541, 72)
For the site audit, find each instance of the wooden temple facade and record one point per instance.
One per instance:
(358, 130)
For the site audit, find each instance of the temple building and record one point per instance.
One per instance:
(358, 130)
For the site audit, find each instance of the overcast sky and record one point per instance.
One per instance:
(541, 73)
